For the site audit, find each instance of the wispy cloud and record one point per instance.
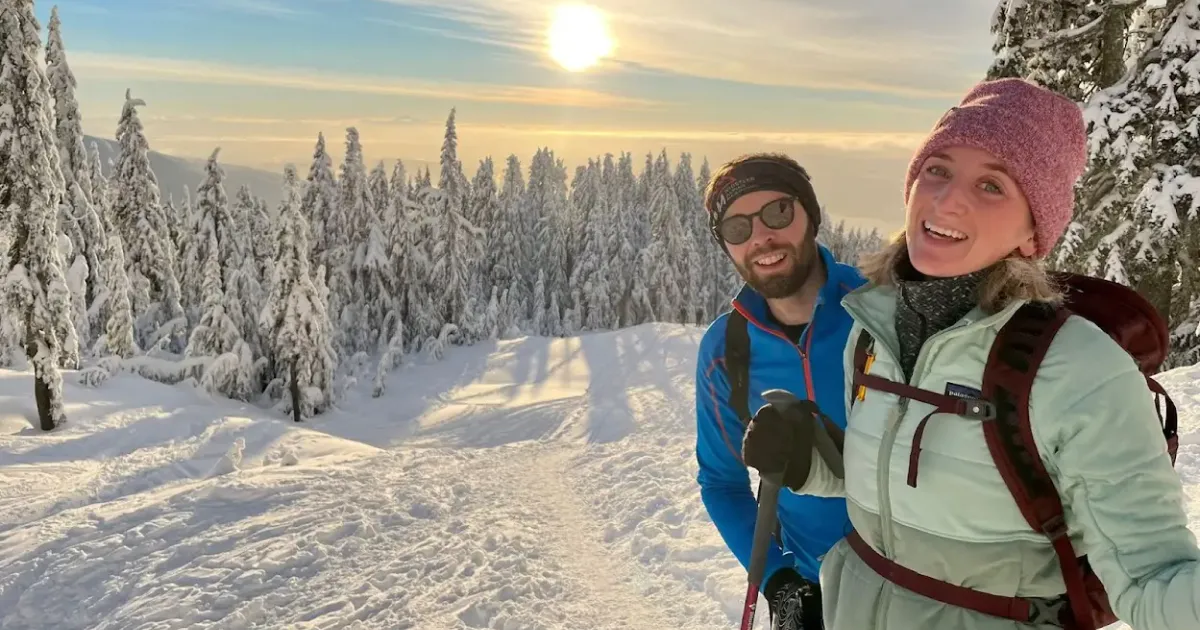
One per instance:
(96, 65)
(913, 49)
(449, 33)
(276, 8)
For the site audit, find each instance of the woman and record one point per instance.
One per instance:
(987, 196)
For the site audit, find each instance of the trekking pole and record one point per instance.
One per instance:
(764, 527)
(811, 430)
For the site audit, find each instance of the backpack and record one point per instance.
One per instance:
(1003, 407)
(737, 370)
(737, 364)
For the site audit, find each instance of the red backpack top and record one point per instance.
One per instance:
(1003, 407)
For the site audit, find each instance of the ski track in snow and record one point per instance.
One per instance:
(528, 484)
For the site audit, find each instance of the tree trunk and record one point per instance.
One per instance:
(41, 393)
(41, 388)
(295, 387)
(1110, 67)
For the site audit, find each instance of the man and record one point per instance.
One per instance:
(763, 212)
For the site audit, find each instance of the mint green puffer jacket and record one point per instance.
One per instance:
(1098, 433)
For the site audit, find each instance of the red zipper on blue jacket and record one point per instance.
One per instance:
(805, 337)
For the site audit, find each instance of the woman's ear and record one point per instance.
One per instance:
(1028, 247)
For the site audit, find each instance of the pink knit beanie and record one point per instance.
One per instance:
(1037, 134)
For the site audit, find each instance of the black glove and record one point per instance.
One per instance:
(775, 444)
(795, 603)
(781, 439)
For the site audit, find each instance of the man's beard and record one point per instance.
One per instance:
(805, 261)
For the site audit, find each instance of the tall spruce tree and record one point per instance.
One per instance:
(351, 221)
(319, 204)
(1142, 225)
(77, 212)
(294, 320)
(696, 290)
(376, 279)
(118, 319)
(31, 188)
(509, 271)
(139, 219)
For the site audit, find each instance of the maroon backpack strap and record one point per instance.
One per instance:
(1008, 379)
(978, 409)
(1170, 422)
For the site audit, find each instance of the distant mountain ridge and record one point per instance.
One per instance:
(173, 173)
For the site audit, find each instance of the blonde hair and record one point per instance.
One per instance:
(1013, 278)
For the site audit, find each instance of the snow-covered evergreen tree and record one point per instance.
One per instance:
(663, 262)
(319, 203)
(484, 212)
(451, 179)
(377, 283)
(408, 258)
(413, 247)
(262, 230)
(554, 321)
(537, 324)
(591, 301)
(454, 260)
(212, 226)
(845, 243)
(547, 202)
(243, 280)
(1140, 224)
(716, 263)
(34, 290)
(216, 332)
(510, 261)
(101, 191)
(182, 228)
(118, 320)
(691, 215)
(1072, 47)
(294, 320)
(77, 212)
(632, 221)
(348, 231)
(139, 219)
(227, 297)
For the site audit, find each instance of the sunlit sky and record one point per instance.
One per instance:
(847, 88)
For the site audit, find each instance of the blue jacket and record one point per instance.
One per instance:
(812, 369)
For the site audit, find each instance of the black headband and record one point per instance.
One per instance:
(763, 174)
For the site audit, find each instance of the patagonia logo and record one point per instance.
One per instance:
(962, 391)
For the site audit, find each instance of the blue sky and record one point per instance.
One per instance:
(846, 87)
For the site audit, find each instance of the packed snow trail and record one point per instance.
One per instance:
(525, 484)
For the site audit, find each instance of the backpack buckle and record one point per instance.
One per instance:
(1045, 611)
(976, 408)
(1055, 527)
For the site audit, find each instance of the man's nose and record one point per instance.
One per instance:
(761, 234)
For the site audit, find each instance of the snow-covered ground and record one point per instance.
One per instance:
(520, 484)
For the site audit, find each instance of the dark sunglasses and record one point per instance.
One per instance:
(776, 215)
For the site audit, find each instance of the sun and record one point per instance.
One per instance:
(578, 37)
